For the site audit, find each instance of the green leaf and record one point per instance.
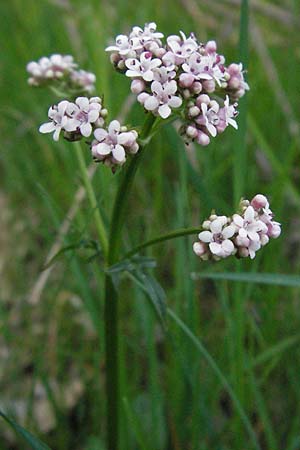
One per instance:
(86, 244)
(154, 292)
(132, 264)
(219, 374)
(277, 279)
(31, 440)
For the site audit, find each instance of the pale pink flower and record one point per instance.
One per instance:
(52, 68)
(162, 99)
(85, 112)
(111, 145)
(142, 68)
(84, 80)
(227, 115)
(182, 47)
(218, 237)
(60, 120)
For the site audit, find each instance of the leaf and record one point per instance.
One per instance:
(32, 441)
(132, 264)
(87, 244)
(219, 374)
(277, 279)
(154, 292)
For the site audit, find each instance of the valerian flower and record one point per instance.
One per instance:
(53, 68)
(59, 120)
(111, 146)
(241, 235)
(143, 68)
(163, 98)
(74, 119)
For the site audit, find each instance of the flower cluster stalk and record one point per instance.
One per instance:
(111, 295)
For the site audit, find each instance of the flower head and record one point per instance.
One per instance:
(241, 235)
(75, 119)
(53, 68)
(112, 144)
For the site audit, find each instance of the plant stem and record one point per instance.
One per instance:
(164, 237)
(111, 295)
(92, 199)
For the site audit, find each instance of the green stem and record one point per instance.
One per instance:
(111, 295)
(164, 237)
(92, 199)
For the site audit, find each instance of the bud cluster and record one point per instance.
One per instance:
(59, 71)
(241, 235)
(182, 75)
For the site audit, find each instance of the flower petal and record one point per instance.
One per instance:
(164, 111)
(215, 248)
(86, 129)
(228, 232)
(47, 127)
(205, 236)
(103, 149)
(119, 153)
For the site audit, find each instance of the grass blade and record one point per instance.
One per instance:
(276, 279)
(31, 440)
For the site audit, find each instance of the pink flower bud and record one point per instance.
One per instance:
(259, 201)
(274, 230)
(199, 248)
(211, 47)
(234, 83)
(202, 138)
(203, 98)
(197, 87)
(194, 111)
(186, 80)
(137, 86)
(191, 132)
(209, 86)
(234, 69)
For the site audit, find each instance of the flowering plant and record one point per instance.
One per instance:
(181, 79)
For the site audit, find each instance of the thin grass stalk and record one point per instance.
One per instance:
(92, 199)
(111, 295)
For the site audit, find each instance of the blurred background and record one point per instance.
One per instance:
(51, 340)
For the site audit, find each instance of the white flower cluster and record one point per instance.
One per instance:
(181, 73)
(60, 71)
(111, 146)
(76, 120)
(241, 235)
(86, 116)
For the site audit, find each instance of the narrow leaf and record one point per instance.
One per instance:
(32, 441)
(277, 279)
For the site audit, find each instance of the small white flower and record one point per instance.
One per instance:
(60, 120)
(124, 45)
(147, 34)
(142, 68)
(227, 115)
(218, 237)
(209, 118)
(84, 113)
(112, 144)
(162, 99)
(249, 229)
(84, 80)
(182, 48)
(52, 68)
(198, 66)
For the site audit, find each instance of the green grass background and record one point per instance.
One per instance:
(51, 351)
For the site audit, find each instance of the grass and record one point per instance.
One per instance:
(228, 344)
